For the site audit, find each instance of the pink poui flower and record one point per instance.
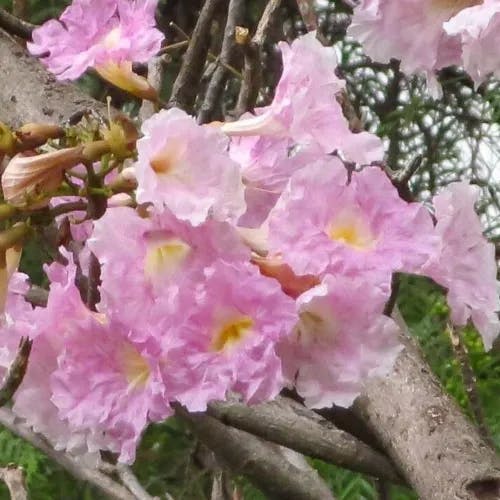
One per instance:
(231, 331)
(154, 258)
(341, 339)
(97, 34)
(110, 386)
(305, 107)
(185, 167)
(411, 31)
(323, 224)
(478, 29)
(464, 262)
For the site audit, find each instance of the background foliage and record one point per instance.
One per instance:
(455, 137)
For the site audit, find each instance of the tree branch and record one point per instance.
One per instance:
(258, 460)
(13, 477)
(16, 371)
(15, 26)
(187, 82)
(437, 448)
(29, 93)
(288, 423)
(96, 478)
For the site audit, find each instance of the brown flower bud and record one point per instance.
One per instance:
(28, 181)
(33, 135)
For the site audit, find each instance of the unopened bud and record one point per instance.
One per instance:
(122, 76)
(33, 135)
(7, 140)
(28, 181)
(241, 35)
(9, 262)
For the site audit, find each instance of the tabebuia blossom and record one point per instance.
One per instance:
(156, 256)
(231, 329)
(325, 223)
(107, 35)
(185, 167)
(305, 108)
(430, 35)
(465, 262)
(341, 339)
(478, 29)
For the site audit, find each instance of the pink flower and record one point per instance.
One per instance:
(305, 107)
(465, 262)
(186, 168)
(323, 224)
(110, 386)
(478, 28)
(409, 30)
(155, 258)
(96, 33)
(342, 339)
(231, 331)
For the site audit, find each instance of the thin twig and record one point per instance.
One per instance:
(13, 477)
(16, 372)
(235, 17)
(307, 11)
(470, 382)
(15, 26)
(132, 483)
(98, 479)
(64, 208)
(155, 79)
(252, 72)
(187, 82)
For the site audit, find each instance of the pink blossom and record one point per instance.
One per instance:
(323, 224)
(409, 30)
(305, 107)
(231, 331)
(110, 386)
(186, 168)
(478, 28)
(342, 339)
(465, 262)
(155, 258)
(94, 33)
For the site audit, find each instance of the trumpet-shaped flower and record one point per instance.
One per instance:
(341, 339)
(155, 258)
(231, 331)
(465, 262)
(305, 107)
(323, 224)
(421, 42)
(478, 28)
(97, 33)
(186, 168)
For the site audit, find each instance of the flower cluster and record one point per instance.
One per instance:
(435, 34)
(259, 255)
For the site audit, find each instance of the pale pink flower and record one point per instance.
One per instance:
(186, 168)
(478, 28)
(110, 386)
(341, 339)
(305, 107)
(323, 224)
(143, 259)
(465, 262)
(96, 33)
(409, 30)
(231, 331)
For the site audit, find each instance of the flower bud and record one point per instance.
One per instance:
(28, 181)
(7, 140)
(9, 262)
(122, 76)
(33, 135)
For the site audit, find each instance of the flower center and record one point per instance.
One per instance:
(453, 6)
(112, 39)
(313, 327)
(351, 230)
(232, 333)
(167, 160)
(135, 367)
(165, 256)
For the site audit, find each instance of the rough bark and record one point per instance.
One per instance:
(436, 447)
(287, 423)
(28, 93)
